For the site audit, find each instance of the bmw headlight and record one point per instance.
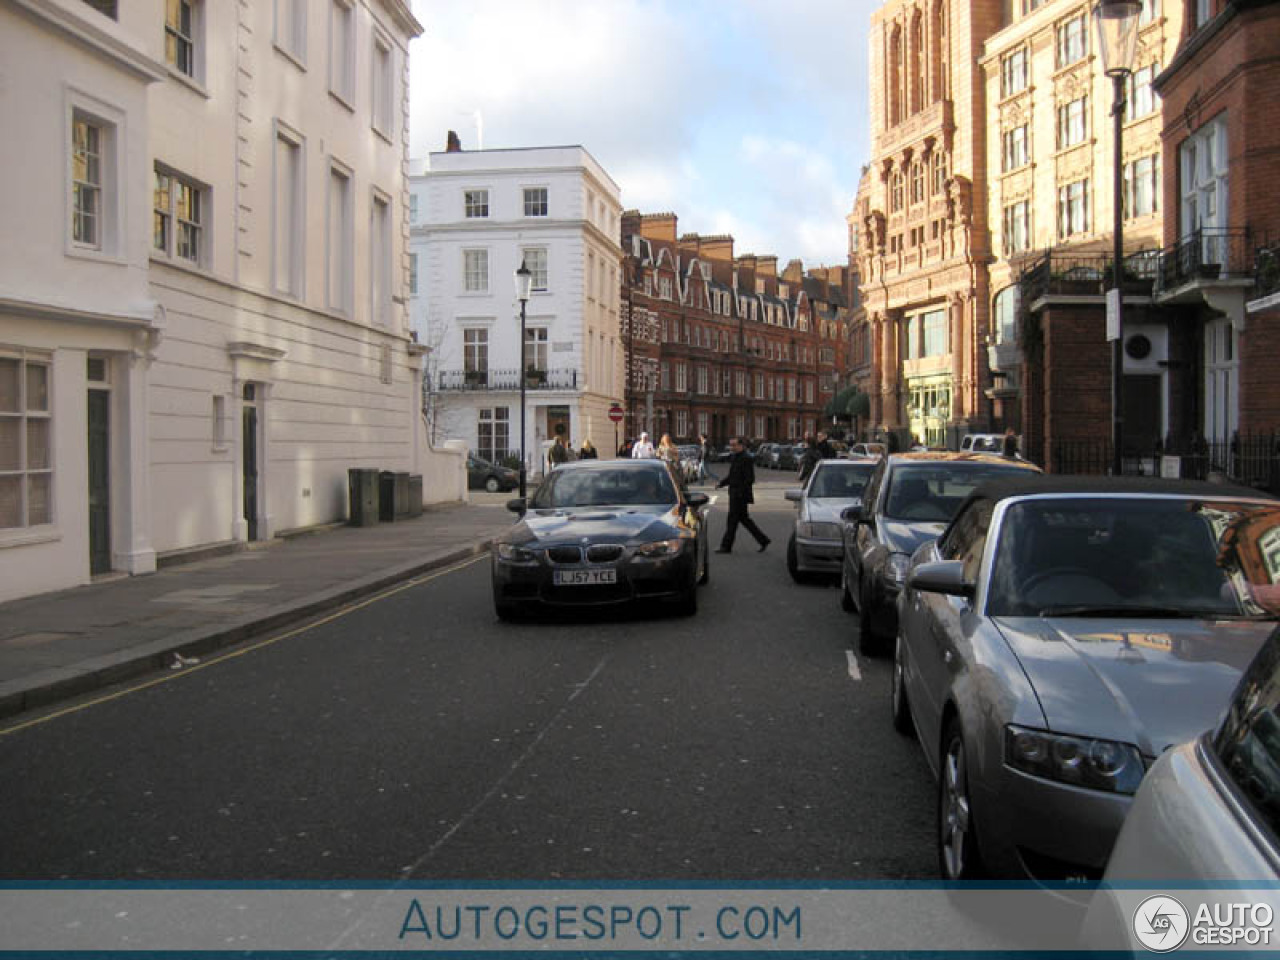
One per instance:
(896, 567)
(659, 548)
(513, 554)
(820, 531)
(1080, 761)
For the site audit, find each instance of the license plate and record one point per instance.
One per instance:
(579, 578)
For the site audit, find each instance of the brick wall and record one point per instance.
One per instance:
(1259, 383)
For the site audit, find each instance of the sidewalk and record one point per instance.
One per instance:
(60, 645)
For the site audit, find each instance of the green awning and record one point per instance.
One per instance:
(838, 404)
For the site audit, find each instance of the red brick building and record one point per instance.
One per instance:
(724, 345)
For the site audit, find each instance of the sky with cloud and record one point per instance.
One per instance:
(746, 117)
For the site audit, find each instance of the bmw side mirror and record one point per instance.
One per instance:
(696, 501)
(941, 576)
(852, 513)
(517, 505)
(795, 496)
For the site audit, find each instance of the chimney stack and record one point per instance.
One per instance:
(454, 145)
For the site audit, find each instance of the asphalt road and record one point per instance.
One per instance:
(419, 737)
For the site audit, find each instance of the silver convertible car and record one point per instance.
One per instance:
(815, 545)
(1058, 637)
(600, 532)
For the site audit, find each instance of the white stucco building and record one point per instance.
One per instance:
(479, 214)
(203, 276)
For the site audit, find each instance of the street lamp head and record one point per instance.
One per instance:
(524, 282)
(1117, 23)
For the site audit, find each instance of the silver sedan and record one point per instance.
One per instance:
(816, 544)
(1056, 639)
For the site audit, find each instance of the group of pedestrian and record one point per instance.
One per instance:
(562, 452)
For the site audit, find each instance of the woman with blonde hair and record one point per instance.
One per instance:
(667, 450)
(588, 451)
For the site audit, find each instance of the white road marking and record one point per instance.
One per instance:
(854, 672)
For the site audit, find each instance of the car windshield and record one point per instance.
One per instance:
(567, 487)
(835, 481)
(933, 492)
(1152, 556)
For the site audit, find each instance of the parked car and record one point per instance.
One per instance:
(787, 456)
(984, 443)
(910, 499)
(1208, 811)
(765, 455)
(600, 532)
(1059, 637)
(483, 475)
(834, 485)
(868, 450)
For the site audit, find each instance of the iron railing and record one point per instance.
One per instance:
(490, 379)
(1207, 254)
(1252, 459)
(1065, 274)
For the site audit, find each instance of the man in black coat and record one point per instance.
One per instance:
(740, 479)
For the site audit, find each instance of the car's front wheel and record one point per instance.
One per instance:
(958, 857)
(492, 485)
(898, 697)
(868, 643)
(793, 560)
(846, 598)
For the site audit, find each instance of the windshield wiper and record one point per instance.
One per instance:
(1120, 610)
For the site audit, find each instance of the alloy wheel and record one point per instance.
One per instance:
(954, 811)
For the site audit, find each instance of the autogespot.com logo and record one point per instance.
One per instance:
(1161, 923)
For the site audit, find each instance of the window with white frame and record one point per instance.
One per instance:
(475, 204)
(896, 191)
(291, 28)
(535, 348)
(342, 50)
(726, 383)
(380, 259)
(682, 423)
(178, 209)
(535, 259)
(1141, 99)
(287, 223)
(704, 424)
(413, 208)
(1016, 235)
(1221, 380)
(535, 201)
(1203, 160)
(759, 425)
(682, 378)
(92, 182)
(383, 87)
(808, 391)
(664, 288)
(703, 381)
(934, 327)
(183, 29)
(1006, 314)
(1073, 209)
(759, 386)
(475, 271)
(1142, 186)
(917, 182)
(1014, 73)
(1072, 122)
(26, 428)
(740, 383)
(339, 240)
(475, 351)
(493, 433)
(1014, 153)
(740, 424)
(1072, 40)
(938, 172)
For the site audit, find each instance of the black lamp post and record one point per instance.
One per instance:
(1117, 23)
(524, 283)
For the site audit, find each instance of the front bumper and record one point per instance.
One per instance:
(819, 556)
(638, 578)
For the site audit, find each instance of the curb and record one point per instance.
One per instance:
(62, 683)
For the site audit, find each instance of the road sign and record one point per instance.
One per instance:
(615, 413)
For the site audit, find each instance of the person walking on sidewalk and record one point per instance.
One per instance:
(740, 479)
(643, 449)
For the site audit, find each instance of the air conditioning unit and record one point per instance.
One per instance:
(1146, 348)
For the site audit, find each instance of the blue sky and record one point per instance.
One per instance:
(746, 117)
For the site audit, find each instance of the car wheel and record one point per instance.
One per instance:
(846, 598)
(705, 577)
(898, 697)
(492, 485)
(868, 645)
(793, 561)
(958, 857)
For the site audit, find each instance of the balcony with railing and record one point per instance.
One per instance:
(1206, 257)
(1062, 273)
(491, 379)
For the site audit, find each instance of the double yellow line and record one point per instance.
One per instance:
(241, 651)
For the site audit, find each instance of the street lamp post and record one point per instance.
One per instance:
(1117, 23)
(524, 283)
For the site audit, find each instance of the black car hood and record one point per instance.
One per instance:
(1155, 683)
(597, 525)
(901, 537)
